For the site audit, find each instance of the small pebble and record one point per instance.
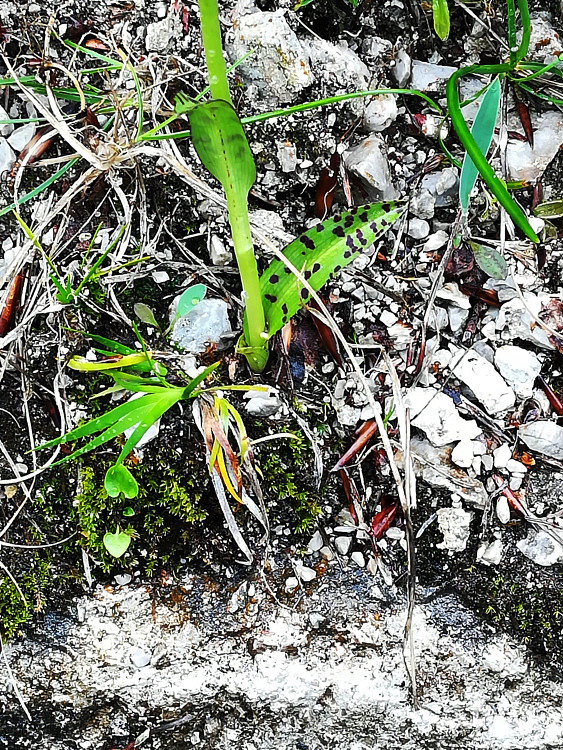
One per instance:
(342, 544)
(291, 584)
(140, 658)
(358, 558)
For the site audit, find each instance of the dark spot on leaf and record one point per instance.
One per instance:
(337, 218)
(349, 220)
(271, 298)
(351, 242)
(304, 293)
(309, 243)
(364, 216)
(307, 275)
(339, 231)
(361, 237)
(337, 269)
(320, 227)
(285, 309)
(274, 278)
(348, 254)
(316, 267)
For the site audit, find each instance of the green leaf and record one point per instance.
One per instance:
(441, 14)
(160, 404)
(128, 511)
(190, 389)
(550, 209)
(140, 413)
(119, 479)
(145, 314)
(483, 130)
(86, 365)
(117, 544)
(318, 253)
(220, 141)
(135, 383)
(490, 261)
(190, 298)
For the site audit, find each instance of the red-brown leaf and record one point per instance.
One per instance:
(383, 520)
(326, 187)
(365, 434)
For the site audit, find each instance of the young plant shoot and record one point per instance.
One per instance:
(220, 141)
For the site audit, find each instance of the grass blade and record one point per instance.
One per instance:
(483, 130)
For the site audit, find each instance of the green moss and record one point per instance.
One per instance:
(16, 610)
(168, 502)
(282, 483)
(537, 613)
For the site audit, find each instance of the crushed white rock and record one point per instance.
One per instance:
(436, 415)
(484, 381)
(519, 368)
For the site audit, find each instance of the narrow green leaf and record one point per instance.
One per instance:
(441, 14)
(145, 314)
(117, 544)
(483, 130)
(190, 389)
(163, 401)
(190, 299)
(220, 141)
(86, 365)
(136, 383)
(490, 261)
(318, 253)
(119, 479)
(105, 420)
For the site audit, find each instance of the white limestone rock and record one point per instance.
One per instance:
(436, 415)
(483, 379)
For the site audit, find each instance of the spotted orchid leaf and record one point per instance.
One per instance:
(319, 253)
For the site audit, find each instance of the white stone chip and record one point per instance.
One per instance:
(483, 379)
(519, 368)
(543, 436)
(435, 414)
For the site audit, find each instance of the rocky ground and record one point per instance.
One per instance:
(182, 642)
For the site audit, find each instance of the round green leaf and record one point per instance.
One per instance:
(117, 544)
(119, 479)
(190, 298)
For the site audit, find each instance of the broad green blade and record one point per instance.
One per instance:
(483, 130)
(441, 14)
(145, 314)
(117, 544)
(550, 209)
(318, 253)
(220, 141)
(119, 479)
